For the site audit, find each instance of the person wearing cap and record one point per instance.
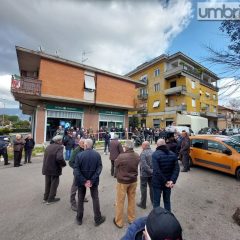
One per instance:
(126, 166)
(160, 224)
(53, 162)
(165, 174)
(115, 149)
(145, 173)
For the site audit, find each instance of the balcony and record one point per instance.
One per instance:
(175, 90)
(221, 115)
(176, 108)
(143, 96)
(143, 112)
(183, 70)
(209, 114)
(26, 85)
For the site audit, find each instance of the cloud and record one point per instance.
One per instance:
(117, 35)
(5, 95)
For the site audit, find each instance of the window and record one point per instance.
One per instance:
(193, 84)
(156, 104)
(215, 146)
(214, 109)
(157, 87)
(89, 82)
(157, 72)
(207, 94)
(207, 107)
(143, 91)
(214, 97)
(197, 143)
(193, 102)
(144, 78)
(173, 84)
(156, 123)
(233, 144)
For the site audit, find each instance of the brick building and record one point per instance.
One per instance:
(57, 91)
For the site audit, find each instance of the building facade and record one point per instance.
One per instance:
(175, 85)
(57, 91)
(228, 118)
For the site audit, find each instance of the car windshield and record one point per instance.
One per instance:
(233, 144)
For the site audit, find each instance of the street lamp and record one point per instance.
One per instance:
(3, 99)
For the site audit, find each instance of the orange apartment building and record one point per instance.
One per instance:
(57, 91)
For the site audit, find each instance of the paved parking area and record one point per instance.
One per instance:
(203, 201)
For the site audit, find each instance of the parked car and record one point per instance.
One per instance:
(235, 131)
(229, 131)
(236, 137)
(217, 152)
(208, 130)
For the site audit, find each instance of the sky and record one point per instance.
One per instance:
(115, 35)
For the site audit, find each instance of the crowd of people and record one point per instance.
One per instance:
(19, 145)
(158, 170)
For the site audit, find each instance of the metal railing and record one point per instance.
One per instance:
(143, 96)
(26, 85)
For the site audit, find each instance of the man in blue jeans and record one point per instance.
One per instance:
(165, 173)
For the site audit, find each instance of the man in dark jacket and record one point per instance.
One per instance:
(115, 149)
(87, 169)
(160, 224)
(28, 147)
(69, 144)
(165, 174)
(106, 138)
(53, 162)
(4, 142)
(74, 187)
(145, 173)
(126, 172)
(184, 151)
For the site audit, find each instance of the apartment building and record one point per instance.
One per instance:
(177, 89)
(56, 91)
(228, 118)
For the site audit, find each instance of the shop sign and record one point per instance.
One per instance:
(111, 112)
(64, 108)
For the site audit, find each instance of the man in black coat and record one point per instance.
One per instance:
(28, 147)
(4, 142)
(165, 173)
(184, 151)
(87, 169)
(53, 162)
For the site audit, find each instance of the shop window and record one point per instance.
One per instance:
(156, 104)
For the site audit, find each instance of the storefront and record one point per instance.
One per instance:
(66, 117)
(111, 119)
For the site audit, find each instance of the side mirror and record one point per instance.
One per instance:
(227, 151)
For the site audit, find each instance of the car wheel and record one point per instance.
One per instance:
(238, 174)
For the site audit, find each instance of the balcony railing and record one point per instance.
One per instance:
(143, 96)
(180, 70)
(175, 90)
(26, 85)
(176, 108)
(209, 114)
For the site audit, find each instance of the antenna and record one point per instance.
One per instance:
(57, 53)
(40, 48)
(84, 53)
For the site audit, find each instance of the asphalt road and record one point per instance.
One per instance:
(203, 201)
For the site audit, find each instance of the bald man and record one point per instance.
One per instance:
(145, 174)
(74, 187)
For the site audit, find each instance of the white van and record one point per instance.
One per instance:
(179, 129)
